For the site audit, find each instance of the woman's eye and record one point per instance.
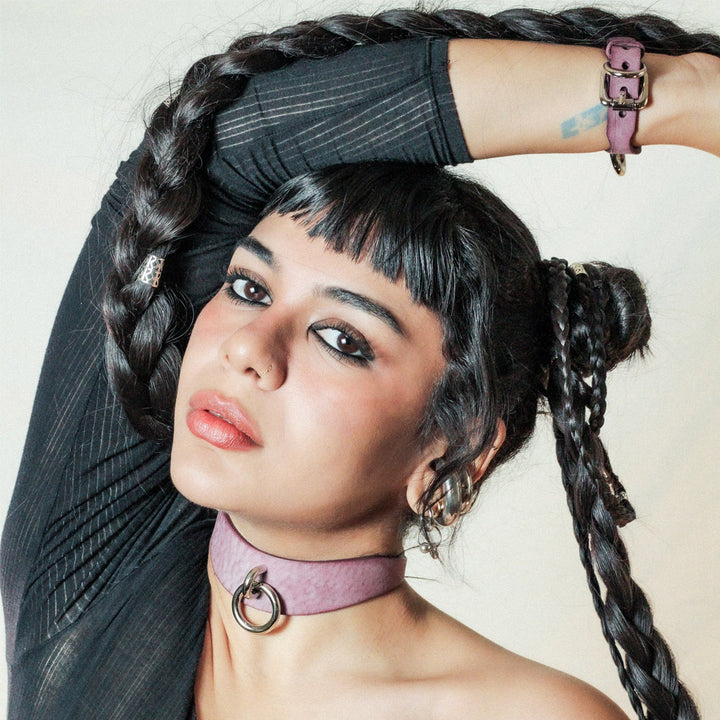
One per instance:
(343, 342)
(247, 290)
(250, 290)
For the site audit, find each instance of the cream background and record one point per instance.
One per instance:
(75, 78)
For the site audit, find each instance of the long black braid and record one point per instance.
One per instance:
(588, 344)
(146, 327)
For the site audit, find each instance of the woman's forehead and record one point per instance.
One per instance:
(282, 241)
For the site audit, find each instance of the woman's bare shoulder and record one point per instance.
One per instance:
(492, 682)
(528, 690)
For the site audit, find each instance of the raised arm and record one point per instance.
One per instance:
(93, 499)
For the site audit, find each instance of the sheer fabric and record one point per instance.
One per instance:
(103, 563)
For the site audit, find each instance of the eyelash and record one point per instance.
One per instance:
(367, 353)
(235, 274)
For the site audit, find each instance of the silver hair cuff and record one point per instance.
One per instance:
(150, 271)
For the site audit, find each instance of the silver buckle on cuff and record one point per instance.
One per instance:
(624, 102)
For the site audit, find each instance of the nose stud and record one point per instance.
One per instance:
(263, 374)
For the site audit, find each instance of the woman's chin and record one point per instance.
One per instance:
(193, 481)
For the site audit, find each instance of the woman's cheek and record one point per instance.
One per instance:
(208, 322)
(211, 329)
(357, 424)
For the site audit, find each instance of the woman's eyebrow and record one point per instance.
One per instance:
(362, 303)
(253, 245)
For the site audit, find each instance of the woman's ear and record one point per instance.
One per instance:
(481, 462)
(420, 480)
(424, 474)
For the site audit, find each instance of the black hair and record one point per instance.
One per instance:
(581, 322)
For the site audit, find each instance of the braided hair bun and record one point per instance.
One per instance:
(616, 298)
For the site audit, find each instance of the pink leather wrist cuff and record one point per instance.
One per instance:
(624, 90)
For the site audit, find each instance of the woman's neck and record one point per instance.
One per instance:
(296, 644)
(327, 608)
(366, 638)
(380, 536)
(325, 652)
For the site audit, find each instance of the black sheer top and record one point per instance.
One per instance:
(104, 575)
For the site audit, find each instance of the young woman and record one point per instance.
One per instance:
(110, 594)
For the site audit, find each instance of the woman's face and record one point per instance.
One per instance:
(302, 389)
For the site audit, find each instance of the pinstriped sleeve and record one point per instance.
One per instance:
(378, 102)
(384, 102)
(92, 497)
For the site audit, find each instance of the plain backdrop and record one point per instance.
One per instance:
(76, 78)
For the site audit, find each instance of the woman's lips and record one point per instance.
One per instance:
(221, 422)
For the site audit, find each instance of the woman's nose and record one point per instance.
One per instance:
(257, 350)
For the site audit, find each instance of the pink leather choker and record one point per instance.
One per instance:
(295, 587)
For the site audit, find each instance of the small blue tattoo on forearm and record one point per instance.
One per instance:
(584, 121)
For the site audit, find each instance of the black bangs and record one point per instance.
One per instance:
(402, 218)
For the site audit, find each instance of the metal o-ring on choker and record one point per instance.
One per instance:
(252, 586)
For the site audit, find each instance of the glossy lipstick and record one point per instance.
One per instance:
(221, 422)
